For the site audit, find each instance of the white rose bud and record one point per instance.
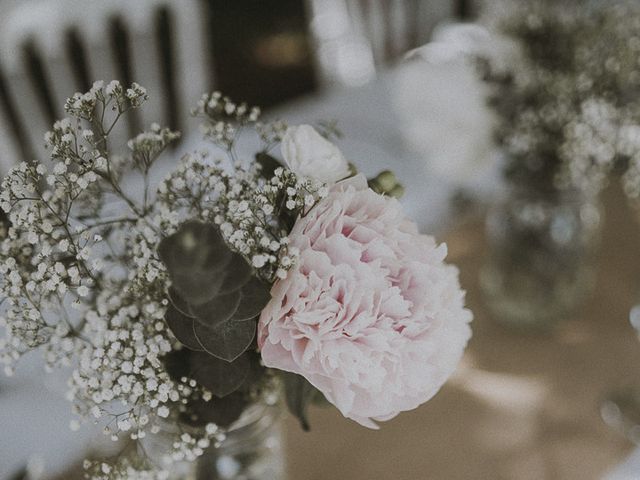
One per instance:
(308, 154)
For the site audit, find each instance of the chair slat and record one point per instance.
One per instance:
(29, 120)
(193, 76)
(14, 145)
(120, 43)
(13, 137)
(165, 43)
(39, 80)
(76, 52)
(144, 64)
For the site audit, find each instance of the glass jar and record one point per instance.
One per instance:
(252, 449)
(540, 264)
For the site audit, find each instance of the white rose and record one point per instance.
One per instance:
(308, 154)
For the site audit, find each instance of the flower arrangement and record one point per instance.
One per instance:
(186, 301)
(567, 106)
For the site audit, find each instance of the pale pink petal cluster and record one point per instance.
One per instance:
(370, 314)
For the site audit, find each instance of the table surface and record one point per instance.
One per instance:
(520, 406)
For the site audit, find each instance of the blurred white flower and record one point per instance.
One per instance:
(442, 104)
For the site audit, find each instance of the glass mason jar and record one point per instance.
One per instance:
(252, 449)
(621, 408)
(540, 263)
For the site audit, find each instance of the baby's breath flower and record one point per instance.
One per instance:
(80, 275)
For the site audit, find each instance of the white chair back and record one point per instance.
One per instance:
(51, 49)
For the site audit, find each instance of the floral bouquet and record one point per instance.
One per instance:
(179, 306)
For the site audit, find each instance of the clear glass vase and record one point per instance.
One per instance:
(621, 408)
(540, 264)
(252, 449)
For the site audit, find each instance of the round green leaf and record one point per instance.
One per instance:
(237, 273)
(219, 376)
(182, 328)
(228, 340)
(254, 296)
(217, 310)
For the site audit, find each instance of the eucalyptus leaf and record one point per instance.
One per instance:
(217, 310)
(176, 363)
(178, 302)
(268, 163)
(299, 393)
(257, 369)
(197, 287)
(182, 328)
(228, 340)
(195, 245)
(254, 296)
(220, 377)
(196, 257)
(237, 273)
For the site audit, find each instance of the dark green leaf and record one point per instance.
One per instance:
(182, 328)
(268, 163)
(319, 400)
(228, 340)
(298, 394)
(219, 376)
(176, 363)
(197, 287)
(237, 273)
(195, 257)
(178, 302)
(255, 295)
(195, 245)
(257, 369)
(217, 310)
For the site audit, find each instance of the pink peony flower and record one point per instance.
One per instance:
(370, 314)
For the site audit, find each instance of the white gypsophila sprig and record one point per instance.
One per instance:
(58, 274)
(590, 146)
(44, 260)
(253, 213)
(207, 190)
(138, 466)
(81, 278)
(565, 97)
(148, 146)
(629, 146)
(271, 133)
(223, 118)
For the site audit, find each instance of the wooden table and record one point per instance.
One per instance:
(520, 406)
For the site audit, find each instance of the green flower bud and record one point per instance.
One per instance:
(386, 183)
